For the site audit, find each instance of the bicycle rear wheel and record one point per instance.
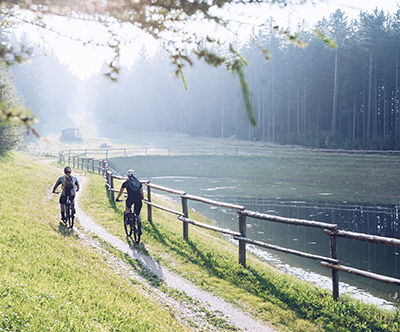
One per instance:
(128, 225)
(67, 215)
(71, 220)
(137, 229)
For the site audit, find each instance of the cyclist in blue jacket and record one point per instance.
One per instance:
(135, 194)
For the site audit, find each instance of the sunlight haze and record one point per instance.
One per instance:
(85, 60)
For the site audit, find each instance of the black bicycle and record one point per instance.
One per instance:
(132, 224)
(69, 211)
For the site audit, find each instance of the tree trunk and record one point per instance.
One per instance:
(273, 105)
(369, 107)
(335, 94)
(396, 113)
(298, 111)
(354, 119)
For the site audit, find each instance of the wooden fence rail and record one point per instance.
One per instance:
(331, 230)
(226, 150)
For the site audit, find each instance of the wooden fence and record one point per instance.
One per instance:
(226, 150)
(331, 230)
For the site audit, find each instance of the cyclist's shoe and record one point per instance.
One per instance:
(64, 219)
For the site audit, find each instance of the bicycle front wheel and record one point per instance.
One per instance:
(128, 226)
(71, 221)
(70, 215)
(137, 229)
(67, 215)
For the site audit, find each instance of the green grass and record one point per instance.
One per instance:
(210, 262)
(49, 281)
(335, 178)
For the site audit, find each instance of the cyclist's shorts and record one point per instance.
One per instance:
(63, 199)
(137, 207)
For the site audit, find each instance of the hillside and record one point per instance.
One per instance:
(51, 278)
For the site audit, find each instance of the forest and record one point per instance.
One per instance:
(317, 96)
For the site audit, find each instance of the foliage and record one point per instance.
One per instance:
(10, 136)
(49, 279)
(167, 21)
(11, 113)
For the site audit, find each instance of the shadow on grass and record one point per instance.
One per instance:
(249, 279)
(139, 247)
(64, 230)
(268, 288)
(144, 272)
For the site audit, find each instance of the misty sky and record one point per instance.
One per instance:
(85, 60)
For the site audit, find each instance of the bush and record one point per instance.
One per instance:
(10, 136)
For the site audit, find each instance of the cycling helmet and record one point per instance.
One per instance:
(130, 173)
(67, 169)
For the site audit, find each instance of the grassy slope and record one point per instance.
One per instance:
(336, 178)
(49, 281)
(209, 261)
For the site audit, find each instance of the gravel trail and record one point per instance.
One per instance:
(193, 312)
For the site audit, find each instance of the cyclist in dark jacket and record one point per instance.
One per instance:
(135, 194)
(66, 191)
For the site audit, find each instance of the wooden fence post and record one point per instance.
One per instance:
(335, 273)
(108, 181)
(185, 211)
(149, 210)
(242, 244)
(112, 187)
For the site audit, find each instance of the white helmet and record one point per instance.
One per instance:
(130, 173)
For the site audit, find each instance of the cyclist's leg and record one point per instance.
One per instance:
(63, 199)
(137, 208)
(128, 205)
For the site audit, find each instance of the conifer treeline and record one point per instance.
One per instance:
(319, 96)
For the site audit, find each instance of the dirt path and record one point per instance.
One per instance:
(195, 313)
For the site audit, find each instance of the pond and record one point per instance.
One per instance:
(363, 218)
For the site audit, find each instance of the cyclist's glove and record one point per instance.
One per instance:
(118, 200)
